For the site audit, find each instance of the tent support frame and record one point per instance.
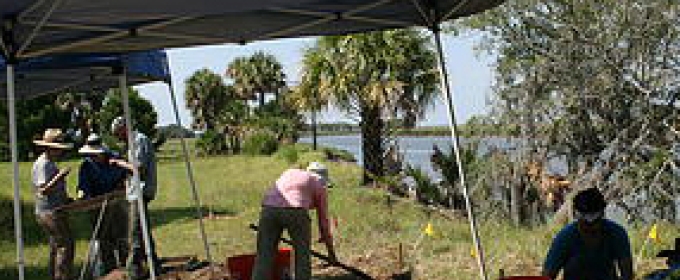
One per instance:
(190, 174)
(18, 228)
(135, 182)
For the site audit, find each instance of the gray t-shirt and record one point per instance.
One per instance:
(145, 155)
(43, 171)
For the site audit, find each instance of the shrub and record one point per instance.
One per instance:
(289, 153)
(260, 143)
(210, 143)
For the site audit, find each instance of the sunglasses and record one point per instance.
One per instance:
(588, 217)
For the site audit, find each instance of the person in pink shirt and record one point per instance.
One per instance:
(286, 206)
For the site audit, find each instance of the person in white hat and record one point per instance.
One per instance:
(49, 186)
(101, 173)
(145, 157)
(286, 207)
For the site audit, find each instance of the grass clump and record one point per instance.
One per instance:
(260, 143)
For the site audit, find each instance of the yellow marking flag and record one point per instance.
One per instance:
(654, 233)
(429, 230)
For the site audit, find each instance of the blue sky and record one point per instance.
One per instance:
(470, 75)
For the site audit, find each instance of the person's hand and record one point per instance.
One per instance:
(65, 171)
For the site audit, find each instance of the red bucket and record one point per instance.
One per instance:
(241, 266)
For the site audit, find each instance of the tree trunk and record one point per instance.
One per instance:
(371, 143)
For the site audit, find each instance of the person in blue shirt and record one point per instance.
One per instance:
(592, 247)
(673, 262)
(101, 173)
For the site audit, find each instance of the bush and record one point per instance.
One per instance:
(260, 143)
(288, 153)
(210, 143)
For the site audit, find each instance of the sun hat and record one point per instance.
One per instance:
(589, 205)
(93, 146)
(320, 170)
(53, 138)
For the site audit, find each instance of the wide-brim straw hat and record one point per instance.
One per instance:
(320, 170)
(92, 150)
(53, 138)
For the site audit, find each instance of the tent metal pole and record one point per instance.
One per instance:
(455, 141)
(190, 174)
(136, 190)
(15, 169)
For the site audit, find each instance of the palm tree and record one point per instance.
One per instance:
(206, 96)
(373, 75)
(256, 76)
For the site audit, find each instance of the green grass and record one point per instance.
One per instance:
(368, 235)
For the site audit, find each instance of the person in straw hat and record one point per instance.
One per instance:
(49, 186)
(101, 173)
(285, 207)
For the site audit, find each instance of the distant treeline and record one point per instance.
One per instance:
(465, 130)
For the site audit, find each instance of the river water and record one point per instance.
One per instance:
(417, 150)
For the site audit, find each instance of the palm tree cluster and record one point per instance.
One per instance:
(221, 109)
(374, 76)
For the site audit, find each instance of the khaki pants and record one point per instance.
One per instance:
(61, 244)
(272, 223)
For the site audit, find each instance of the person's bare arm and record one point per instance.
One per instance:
(123, 164)
(626, 268)
(52, 183)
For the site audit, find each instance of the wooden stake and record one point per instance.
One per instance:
(401, 256)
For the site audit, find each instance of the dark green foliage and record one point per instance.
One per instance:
(260, 143)
(210, 143)
(144, 116)
(426, 190)
(174, 131)
(33, 117)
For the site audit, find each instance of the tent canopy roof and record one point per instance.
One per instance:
(33, 28)
(84, 72)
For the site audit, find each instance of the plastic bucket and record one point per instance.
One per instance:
(525, 278)
(241, 266)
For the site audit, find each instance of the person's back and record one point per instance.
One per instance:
(295, 188)
(96, 178)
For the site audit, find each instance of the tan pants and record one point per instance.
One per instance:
(272, 223)
(61, 244)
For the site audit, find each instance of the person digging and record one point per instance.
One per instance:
(286, 206)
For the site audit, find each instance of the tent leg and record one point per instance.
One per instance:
(15, 169)
(190, 174)
(135, 176)
(455, 141)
